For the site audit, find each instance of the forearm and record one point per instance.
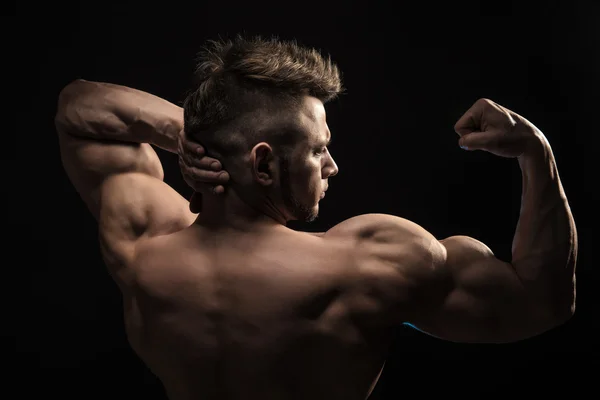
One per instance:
(112, 112)
(544, 251)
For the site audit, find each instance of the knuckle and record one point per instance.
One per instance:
(219, 175)
(189, 148)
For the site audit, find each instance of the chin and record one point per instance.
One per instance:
(314, 214)
(307, 214)
(311, 217)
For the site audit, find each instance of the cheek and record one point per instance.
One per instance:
(315, 180)
(306, 175)
(310, 178)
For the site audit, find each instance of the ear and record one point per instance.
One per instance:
(263, 164)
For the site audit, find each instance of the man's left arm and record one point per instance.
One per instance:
(105, 134)
(106, 130)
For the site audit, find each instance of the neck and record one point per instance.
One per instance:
(229, 210)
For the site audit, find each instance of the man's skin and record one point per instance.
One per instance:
(232, 304)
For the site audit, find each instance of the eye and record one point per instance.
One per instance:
(321, 150)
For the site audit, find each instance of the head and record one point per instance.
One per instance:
(258, 106)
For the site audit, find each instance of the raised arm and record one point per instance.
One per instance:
(471, 295)
(106, 130)
(456, 289)
(105, 134)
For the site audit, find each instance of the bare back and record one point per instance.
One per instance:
(271, 317)
(283, 314)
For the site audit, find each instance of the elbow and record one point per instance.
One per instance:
(565, 311)
(552, 302)
(557, 320)
(563, 302)
(537, 318)
(535, 324)
(551, 316)
(68, 96)
(70, 93)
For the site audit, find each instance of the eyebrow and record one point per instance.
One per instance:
(325, 144)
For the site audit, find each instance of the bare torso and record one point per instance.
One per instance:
(272, 316)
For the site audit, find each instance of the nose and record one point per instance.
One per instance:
(331, 168)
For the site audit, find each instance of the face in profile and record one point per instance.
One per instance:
(304, 174)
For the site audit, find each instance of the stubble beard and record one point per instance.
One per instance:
(299, 211)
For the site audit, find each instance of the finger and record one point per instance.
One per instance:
(471, 119)
(478, 140)
(193, 147)
(183, 163)
(206, 163)
(206, 176)
(187, 162)
(219, 189)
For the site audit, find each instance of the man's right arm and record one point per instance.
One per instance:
(456, 289)
(474, 297)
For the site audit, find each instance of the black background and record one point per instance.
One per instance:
(410, 72)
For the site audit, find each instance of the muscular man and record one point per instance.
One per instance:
(232, 304)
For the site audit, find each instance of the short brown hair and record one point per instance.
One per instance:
(240, 84)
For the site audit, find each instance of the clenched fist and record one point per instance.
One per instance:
(489, 126)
